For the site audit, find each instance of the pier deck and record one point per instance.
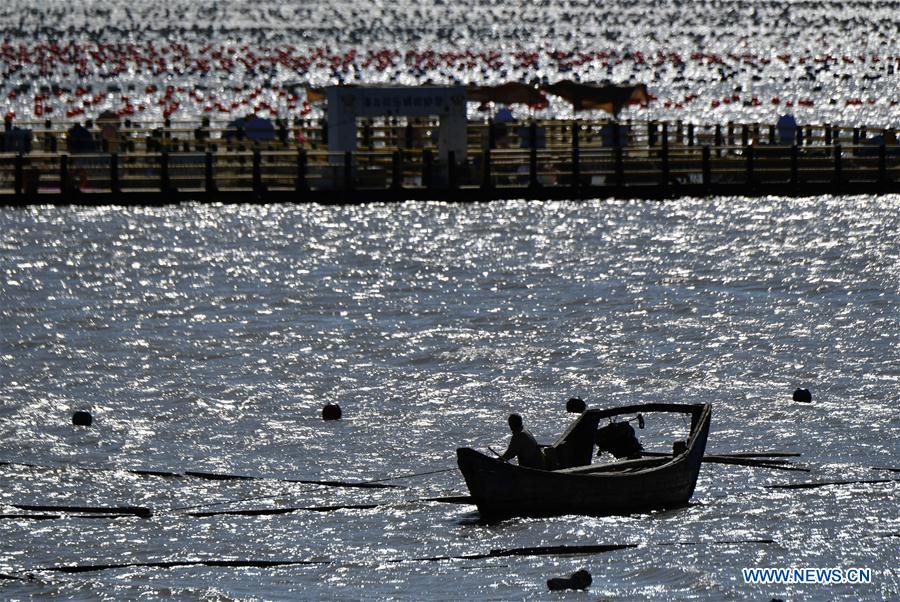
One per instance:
(568, 161)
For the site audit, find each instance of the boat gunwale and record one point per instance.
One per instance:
(591, 470)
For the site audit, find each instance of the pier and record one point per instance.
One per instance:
(398, 161)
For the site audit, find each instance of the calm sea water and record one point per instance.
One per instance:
(209, 337)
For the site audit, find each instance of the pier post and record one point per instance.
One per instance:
(771, 134)
(532, 154)
(707, 169)
(164, 186)
(367, 134)
(855, 137)
(745, 135)
(257, 172)
(301, 185)
(800, 136)
(750, 182)
(730, 133)
(827, 135)
(114, 173)
(427, 168)
(690, 134)
(882, 164)
(348, 170)
(492, 134)
(19, 166)
(664, 157)
(64, 175)
(576, 153)
(396, 182)
(651, 133)
(620, 168)
(486, 167)
(718, 141)
(838, 176)
(451, 170)
(209, 183)
(795, 160)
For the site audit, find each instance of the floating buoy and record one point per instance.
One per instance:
(82, 418)
(802, 395)
(331, 411)
(575, 405)
(578, 580)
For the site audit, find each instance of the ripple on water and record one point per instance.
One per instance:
(209, 337)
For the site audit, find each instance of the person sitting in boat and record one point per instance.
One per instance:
(618, 438)
(522, 446)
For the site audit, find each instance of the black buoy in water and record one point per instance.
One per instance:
(802, 395)
(82, 418)
(331, 411)
(579, 580)
(575, 405)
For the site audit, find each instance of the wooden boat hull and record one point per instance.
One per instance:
(500, 489)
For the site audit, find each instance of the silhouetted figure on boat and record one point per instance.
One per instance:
(522, 446)
(618, 438)
(575, 405)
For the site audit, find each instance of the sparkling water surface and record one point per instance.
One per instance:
(208, 338)
(705, 61)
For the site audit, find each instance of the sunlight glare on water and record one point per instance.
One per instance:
(208, 338)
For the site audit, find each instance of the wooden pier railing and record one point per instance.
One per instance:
(559, 159)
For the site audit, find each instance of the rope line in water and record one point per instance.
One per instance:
(494, 553)
(827, 483)
(410, 475)
(375, 484)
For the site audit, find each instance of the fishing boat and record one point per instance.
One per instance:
(501, 490)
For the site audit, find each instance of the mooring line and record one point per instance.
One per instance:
(213, 476)
(409, 476)
(827, 483)
(563, 550)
